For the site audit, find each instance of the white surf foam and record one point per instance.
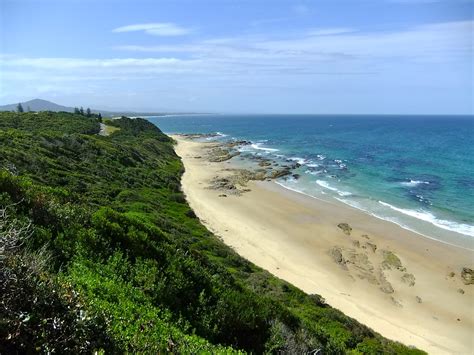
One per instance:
(299, 160)
(324, 184)
(413, 183)
(452, 226)
(315, 173)
(258, 146)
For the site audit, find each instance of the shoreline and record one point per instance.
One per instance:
(403, 286)
(419, 234)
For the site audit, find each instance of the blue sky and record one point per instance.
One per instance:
(325, 56)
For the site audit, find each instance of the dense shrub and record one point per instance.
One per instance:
(38, 313)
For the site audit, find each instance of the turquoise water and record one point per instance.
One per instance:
(416, 171)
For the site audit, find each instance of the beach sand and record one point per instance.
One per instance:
(404, 286)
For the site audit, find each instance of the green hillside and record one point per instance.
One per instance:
(100, 251)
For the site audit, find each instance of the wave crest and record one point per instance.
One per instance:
(452, 226)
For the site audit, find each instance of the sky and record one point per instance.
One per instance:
(248, 56)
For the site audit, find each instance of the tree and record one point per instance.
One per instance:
(81, 111)
(76, 111)
(99, 117)
(88, 112)
(19, 108)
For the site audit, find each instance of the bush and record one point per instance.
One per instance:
(38, 314)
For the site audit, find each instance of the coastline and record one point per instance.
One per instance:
(393, 280)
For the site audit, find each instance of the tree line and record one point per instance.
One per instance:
(87, 113)
(77, 111)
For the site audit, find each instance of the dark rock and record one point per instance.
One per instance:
(390, 260)
(237, 143)
(385, 286)
(336, 254)
(372, 246)
(275, 174)
(467, 276)
(346, 228)
(409, 279)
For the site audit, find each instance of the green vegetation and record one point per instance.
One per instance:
(105, 254)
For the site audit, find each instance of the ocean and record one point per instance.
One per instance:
(415, 171)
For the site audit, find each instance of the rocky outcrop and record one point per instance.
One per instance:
(199, 135)
(467, 276)
(264, 163)
(275, 174)
(409, 279)
(385, 286)
(237, 143)
(371, 246)
(346, 228)
(391, 261)
(336, 254)
(218, 154)
(223, 184)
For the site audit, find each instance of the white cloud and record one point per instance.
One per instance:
(324, 59)
(71, 63)
(439, 42)
(156, 29)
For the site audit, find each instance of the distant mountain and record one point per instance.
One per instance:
(37, 105)
(44, 105)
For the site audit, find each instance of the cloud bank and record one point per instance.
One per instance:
(155, 29)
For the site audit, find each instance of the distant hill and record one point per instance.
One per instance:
(37, 105)
(44, 105)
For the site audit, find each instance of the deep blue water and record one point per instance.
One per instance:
(417, 171)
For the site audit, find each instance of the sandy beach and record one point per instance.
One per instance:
(404, 286)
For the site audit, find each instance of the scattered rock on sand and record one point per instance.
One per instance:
(385, 286)
(237, 143)
(451, 274)
(356, 243)
(467, 276)
(218, 154)
(265, 163)
(336, 254)
(418, 299)
(362, 266)
(222, 195)
(461, 291)
(396, 302)
(275, 174)
(390, 260)
(346, 228)
(409, 279)
(371, 246)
